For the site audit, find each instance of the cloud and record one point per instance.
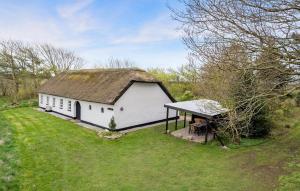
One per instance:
(161, 29)
(77, 15)
(70, 10)
(33, 26)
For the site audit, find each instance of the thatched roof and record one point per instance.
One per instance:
(96, 85)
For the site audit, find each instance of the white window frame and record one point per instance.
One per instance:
(69, 105)
(53, 102)
(61, 103)
(41, 101)
(47, 100)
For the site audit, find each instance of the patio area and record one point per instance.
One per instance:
(186, 135)
(202, 126)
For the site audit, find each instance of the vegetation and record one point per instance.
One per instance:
(48, 153)
(244, 54)
(112, 124)
(23, 67)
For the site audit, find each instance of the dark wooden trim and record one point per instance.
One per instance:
(184, 120)
(95, 125)
(137, 81)
(195, 113)
(176, 121)
(58, 113)
(120, 94)
(121, 129)
(167, 120)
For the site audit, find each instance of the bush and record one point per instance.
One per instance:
(112, 124)
(187, 95)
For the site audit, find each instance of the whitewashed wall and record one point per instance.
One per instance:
(142, 103)
(56, 107)
(93, 115)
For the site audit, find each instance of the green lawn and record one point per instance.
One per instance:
(48, 153)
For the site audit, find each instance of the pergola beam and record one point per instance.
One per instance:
(184, 120)
(176, 120)
(167, 120)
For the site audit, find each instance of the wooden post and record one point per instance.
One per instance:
(167, 120)
(206, 133)
(176, 120)
(184, 120)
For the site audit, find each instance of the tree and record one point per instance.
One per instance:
(249, 52)
(11, 67)
(210, 25)
(23, 66)
(59, 60)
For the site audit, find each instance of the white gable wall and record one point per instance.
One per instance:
(93, 115)
(141, 103)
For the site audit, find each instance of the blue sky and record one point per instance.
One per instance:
(139, 30)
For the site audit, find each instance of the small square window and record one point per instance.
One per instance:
(102, 110)
(90, 107)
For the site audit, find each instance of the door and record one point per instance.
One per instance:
(78, 110)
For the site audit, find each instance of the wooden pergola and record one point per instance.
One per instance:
(204, 108)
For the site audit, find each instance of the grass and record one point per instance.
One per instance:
(53, 154)
(8, 157)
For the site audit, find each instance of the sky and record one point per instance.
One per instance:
(141, 31)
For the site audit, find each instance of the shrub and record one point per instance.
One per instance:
(112, 124)
(188, 95)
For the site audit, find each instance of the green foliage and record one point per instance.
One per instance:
(290, 182)
(261, 124)
(112, 124)
(5, 103)
(174, 83)
(187, 95)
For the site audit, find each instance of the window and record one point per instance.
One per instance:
(53, 102)
(110, 108)
(47, 103)
(69, 105)
(61, 104)
(102, 110)
(90, 107)
(42, 99)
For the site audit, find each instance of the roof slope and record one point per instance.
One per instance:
(96, 85)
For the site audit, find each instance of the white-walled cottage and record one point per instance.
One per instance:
(131, 96)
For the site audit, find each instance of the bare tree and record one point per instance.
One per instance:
(211, 25)
(117, 63)
(253, 46)
(10, 66)
(58, 59)
(24, 65)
